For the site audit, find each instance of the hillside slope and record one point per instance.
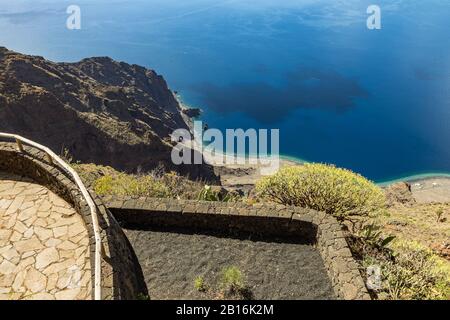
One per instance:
(99, 110)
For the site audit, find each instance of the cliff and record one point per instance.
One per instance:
(99, 110)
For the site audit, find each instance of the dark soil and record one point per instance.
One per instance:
(172, 259)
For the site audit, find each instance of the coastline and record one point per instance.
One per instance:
(248, 172)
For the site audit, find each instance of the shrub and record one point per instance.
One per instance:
(335, 191)
(199, 284)
(142, 296)
(232, 281)
(127, 185)
(210, 194)
(414, 274)
(108, 181)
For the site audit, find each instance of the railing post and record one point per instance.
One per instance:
(49, 158)
(19, 145)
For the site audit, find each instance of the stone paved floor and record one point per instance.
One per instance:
(43, 244)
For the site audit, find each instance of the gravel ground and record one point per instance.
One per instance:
(172, 260)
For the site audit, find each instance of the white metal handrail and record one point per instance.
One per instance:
(53, 157)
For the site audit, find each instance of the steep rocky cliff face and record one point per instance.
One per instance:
(100, 110)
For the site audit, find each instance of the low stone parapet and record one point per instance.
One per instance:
(312, 226)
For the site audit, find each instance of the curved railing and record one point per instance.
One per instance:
(52, 157)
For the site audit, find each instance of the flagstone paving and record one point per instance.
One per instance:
(44, 252)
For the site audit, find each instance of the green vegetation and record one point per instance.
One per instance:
(382, 237)
(411, 272)
(372, 235)
(232, 281)
(158, 184)
(231, 285)
(209, 194)
(336, 191)
(142, 296)
(199, 284)
(439, 213)
(126, 185)
(108, 181)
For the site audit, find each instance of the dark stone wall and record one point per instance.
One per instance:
(121, 274)
(307, 225)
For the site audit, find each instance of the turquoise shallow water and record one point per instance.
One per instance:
(374, 101)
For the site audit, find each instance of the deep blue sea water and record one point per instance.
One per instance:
(374, 101)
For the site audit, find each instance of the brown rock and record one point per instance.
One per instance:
(399, 192)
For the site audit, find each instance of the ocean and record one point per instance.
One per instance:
(373, 101)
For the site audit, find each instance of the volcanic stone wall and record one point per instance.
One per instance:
(311, 226)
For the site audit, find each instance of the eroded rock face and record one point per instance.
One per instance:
(399, 192)
(100, 110)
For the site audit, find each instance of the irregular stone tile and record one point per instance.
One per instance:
(6, 280)
(28, 213)
(4, 293)
(56, 200)
(64, 221)
(31, 189)
(51, 282)
(15, 205)
(52, 242)
(41, 296)
(6, 267)
(43, 214)
(67, 245)
(59, 266)
(24, 263)
(60, 231)
(40, 222)
(4, 234)
(20, 227)
(4, 203)
(28, 245)
(16, 236)
(35, 281)
(69, 294)
(6, 185)
(46, 257)
(64, 211)
(43, 233)
(76, 229)
(11, 192)
(28, 254)
(78, 238)
(5, 248)
(30, 221)
(80, 251)
(45, 207)
(18, 281)
(65, 254)
(29, 233)
(15, 295)
(84, 294)
(26, 205)
(9, 254)
(10, 222)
